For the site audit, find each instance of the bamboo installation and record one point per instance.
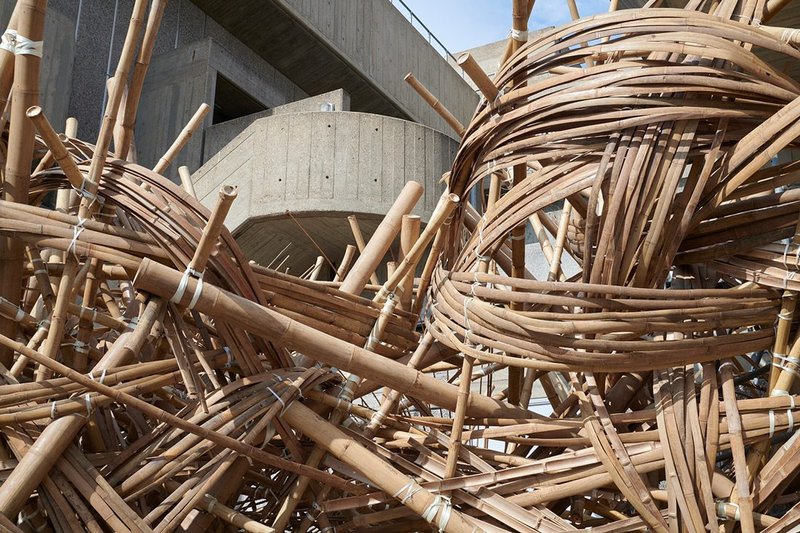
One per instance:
(155, 379)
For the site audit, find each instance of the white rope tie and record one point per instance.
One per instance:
(87, 398)
(407, 492)
(789, 35)
(439, 502)
(81, 347)
(184, 283)
(53, 410)
(785, 359)
(519, 35)
(102, 376)
(83, 192)
(15, 43)
(20, 316)
(229, 362)
(467, 324)
(278, 398)
(76, 232)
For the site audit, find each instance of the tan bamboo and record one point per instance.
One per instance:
(359, 238)
(434, 102)
(19, 158)
(381, 240)
(344, 266)
(60, 433)
(409, 233)
(162, 280)
(137, 80)
(444, 209)
(186, 180)
(478, 76)
(180, 142)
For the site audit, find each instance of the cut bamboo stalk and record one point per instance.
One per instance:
(372, 254)
(186, 181)
(180, 142)
(437, 106)
(409, 234)
(478, 76)
(359, 238)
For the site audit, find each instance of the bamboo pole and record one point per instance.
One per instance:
(409, 233)
(30, 26)
(194, 124)
(381, 240)
(359, 238)
(434, 102)
(163, 281)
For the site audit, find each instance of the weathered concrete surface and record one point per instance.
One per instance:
(363, 46)
(182, 79)
(219, 135)
(321, 167)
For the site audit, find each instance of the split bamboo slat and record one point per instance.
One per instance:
(153, 379)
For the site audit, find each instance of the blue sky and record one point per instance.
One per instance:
(463, 24)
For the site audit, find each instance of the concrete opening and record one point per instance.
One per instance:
(231, 102)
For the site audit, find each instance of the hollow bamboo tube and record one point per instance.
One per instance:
(446, 206)
(186, 180)
(159, 414)
(378, 471)
(382, 239)
(57, 148)
(161, 280)
(317, 268)
(344, 266)
(52, 442)
(478, 76)
(409, 233)
(191, 127)
(437, 106)
(19, 156)
(338, 416)
(213, 228)
(137, 79)
(359, 238)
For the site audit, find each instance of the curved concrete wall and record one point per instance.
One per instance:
(321, 167)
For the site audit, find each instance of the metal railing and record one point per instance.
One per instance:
(428, 34)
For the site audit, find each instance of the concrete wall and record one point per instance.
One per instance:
(378, 40)
(326, 161)
(302, 174)
(219, 135)
(181, 80)
(87, 37)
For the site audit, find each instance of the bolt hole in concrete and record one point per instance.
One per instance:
(280, 179)
(376, 129)
(375, 180)
(327, 177)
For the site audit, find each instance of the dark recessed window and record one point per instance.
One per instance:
(231, 102)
